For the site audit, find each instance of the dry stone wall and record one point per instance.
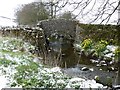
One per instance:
(37, 36)
(62, 27)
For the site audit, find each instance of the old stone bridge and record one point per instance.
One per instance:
(55, 35)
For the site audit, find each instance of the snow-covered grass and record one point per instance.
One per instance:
(17, 64)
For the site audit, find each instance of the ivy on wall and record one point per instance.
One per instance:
(99, 32)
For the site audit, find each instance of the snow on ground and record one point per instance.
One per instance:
(78, 82)
(83, 83)
(3, 82)
(72, 82)
(112, 48)
(110, 51)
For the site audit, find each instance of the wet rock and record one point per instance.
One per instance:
(94, 61)
(97, 78)
(103, 80)
(116, 87)
(84, 69)
(91, 69)
(102, 62)
(63, 54)
(111, 69)
(98, 65)
(111, 62)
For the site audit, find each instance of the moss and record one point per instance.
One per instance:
(99, 32)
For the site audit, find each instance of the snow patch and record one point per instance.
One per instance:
(111, 47)
(82, 83)
(56, 69)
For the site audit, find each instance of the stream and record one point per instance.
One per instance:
(92, 72)
(78, 65)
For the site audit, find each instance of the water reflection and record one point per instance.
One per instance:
(63, 49)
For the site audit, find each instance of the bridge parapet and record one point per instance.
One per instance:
(59, 26)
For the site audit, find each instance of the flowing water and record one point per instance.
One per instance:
(73, 63)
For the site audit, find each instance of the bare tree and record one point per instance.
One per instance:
(118, 13)
(100, 11)
(90, 11)
(31, 13)
(67, 15)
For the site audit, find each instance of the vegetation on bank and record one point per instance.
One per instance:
(24, 69)
(97, 32)
(100, 51)
(15, 57)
